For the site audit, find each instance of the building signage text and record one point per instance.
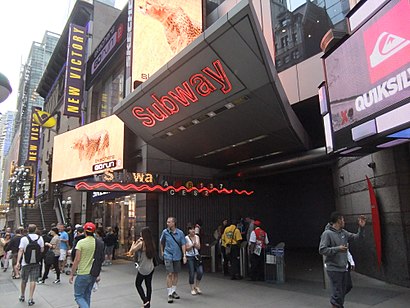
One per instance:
(198, 85)
(34, 138)
(73, 90)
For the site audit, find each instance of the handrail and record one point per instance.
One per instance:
(60, 208)
(41, 213)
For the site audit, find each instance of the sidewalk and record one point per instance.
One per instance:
(117, 289)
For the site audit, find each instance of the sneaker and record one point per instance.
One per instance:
(170, 299)
(56, 281)
(40, 281)
(193, 292)
(21, 299)
(30, 302)
(175, 295)
(198, 290)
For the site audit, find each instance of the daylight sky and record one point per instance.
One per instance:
(21, 23)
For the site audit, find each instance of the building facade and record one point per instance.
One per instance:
(237, 110)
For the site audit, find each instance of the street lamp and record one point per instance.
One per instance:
(5, 88)
(67, 206)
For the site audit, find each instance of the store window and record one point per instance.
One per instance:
(112, 92)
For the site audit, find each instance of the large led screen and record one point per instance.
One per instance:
(89, 149)
(162, 28)
(370, 72)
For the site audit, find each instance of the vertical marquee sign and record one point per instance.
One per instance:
(74, 83)
(34, 138)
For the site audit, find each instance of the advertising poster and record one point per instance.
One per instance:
(162, 28)
(88, 150)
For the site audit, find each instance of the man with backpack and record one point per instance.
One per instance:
(30, 252)
(87, 264)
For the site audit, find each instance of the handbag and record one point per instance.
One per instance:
(49, 257)
(198, 260)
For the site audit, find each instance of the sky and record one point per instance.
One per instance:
(21, 23)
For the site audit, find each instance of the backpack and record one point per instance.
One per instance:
(99, 257)
(32, 254)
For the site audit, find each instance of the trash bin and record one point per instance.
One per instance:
(275, 263)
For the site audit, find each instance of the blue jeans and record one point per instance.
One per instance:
(194, 268)
(83, 286)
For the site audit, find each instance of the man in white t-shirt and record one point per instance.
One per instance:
(29, 270)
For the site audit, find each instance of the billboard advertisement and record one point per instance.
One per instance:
(369, 73)
(88, 150)
(75, 68)
(161, 29)
(108, 47)
(34, 138)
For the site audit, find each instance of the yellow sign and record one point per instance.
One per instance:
(44, 119)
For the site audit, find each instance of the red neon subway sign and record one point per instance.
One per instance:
(199, 85)
(156, 188)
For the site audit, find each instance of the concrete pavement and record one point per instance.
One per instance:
(303, 288)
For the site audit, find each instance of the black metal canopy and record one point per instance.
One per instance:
(252, 120)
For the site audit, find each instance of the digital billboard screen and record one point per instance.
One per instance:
(89, 149)
(161, 29)
(369, 73)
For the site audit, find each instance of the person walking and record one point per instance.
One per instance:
(109, 241)
(193, 245)
(30, 250)
(5, 251)
(87, 265)
(258, 240)
(54, 246)
(63, 246)
(231, 239)
(173, 249)
(144, 248)
(334, 244)
(14, 249)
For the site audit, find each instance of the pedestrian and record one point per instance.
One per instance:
(220, 250)
(30, 249)
(334, 244)
(109, 241)
(231, 239)
(63, 246)
(79, 236)
(193, 245)
(87, 265)
(173, 249)
(14, 249)
(144, 249)
(257, 244)
(54, 246)
(5, 251)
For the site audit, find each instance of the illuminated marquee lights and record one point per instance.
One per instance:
(199, 84)
(156, 188)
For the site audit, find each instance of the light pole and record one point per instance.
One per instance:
(67, 206)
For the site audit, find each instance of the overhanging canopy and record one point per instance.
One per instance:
(234, 109)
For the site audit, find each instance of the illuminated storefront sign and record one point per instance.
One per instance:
(131, 187)
(162, 28)
(74, 83)
(378, 52)
(34, 138)
(147, 182)
(91, 149)
(198, 85)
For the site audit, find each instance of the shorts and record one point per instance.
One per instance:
(30, 271)
(109, 250)
(63, 255)
(172, 266)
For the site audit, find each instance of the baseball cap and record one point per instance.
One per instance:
(78, 226)
(89, 226)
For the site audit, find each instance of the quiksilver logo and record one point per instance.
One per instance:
(387, 45)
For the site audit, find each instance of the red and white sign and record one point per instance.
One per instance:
(387, 42)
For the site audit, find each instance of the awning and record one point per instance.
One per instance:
(219, 103)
